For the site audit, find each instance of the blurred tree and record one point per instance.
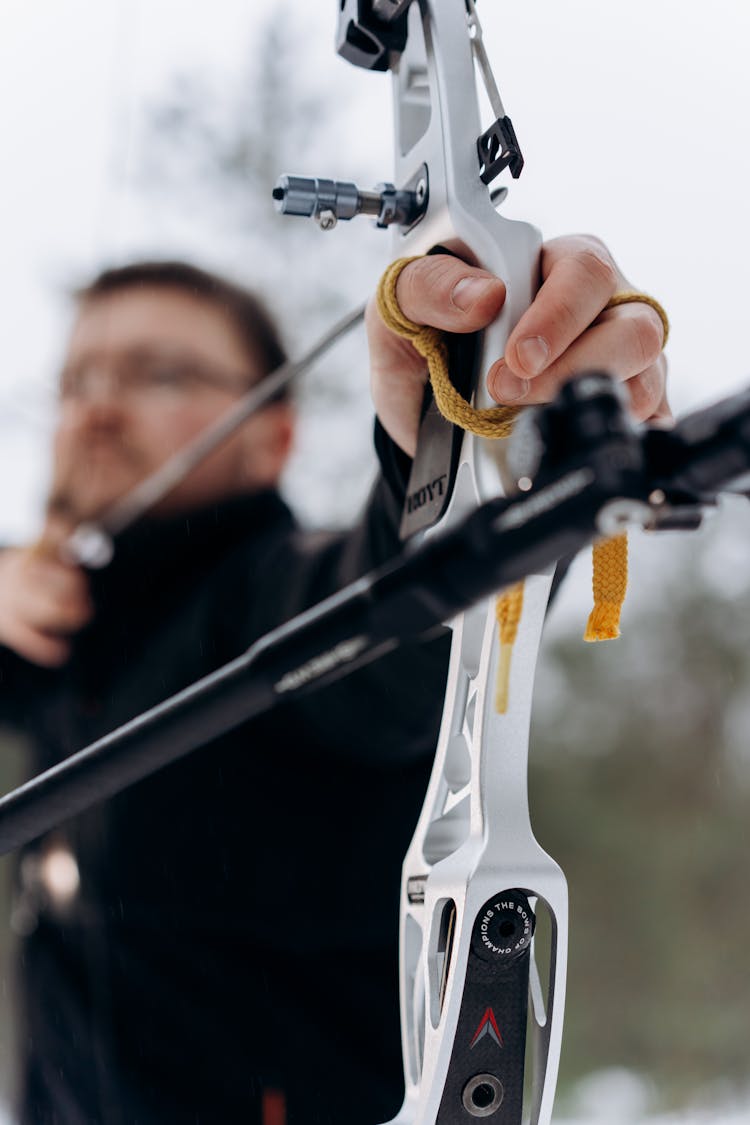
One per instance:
(211, 156)
(640, 789)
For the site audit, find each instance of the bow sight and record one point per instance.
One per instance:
(373, 34)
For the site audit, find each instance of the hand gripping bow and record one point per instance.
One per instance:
(474, 876)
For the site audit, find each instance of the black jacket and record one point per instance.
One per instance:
(236, 928)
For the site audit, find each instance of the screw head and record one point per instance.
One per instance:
(421, 191)
(326, 220)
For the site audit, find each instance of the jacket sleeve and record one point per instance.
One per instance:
(17, 680)
(8, 686)
(17, 677)
(390, 709)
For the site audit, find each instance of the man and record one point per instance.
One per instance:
(222, 946)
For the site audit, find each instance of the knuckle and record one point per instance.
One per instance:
(647, 335)
(420, 282)
(597, 264)
(408, 284)
(437, 272)
(645, 392)
(566, 319)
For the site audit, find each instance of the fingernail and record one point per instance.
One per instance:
(533, 354)
(469, 290)
(509, 388)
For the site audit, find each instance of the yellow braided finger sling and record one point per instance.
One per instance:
(610, 556)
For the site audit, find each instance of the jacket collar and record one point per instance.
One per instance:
(159, 554)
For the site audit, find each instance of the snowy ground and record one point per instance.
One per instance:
(618, 1097)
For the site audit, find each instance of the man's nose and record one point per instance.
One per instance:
(102, 386)
(99, 399)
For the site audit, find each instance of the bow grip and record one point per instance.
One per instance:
(439, 448)
(437, 123)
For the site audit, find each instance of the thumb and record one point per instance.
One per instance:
(446, 293)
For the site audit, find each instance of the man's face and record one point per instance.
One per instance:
(146, 370)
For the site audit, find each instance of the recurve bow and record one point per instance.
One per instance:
(474, 879)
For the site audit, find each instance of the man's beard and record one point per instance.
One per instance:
(96, 474)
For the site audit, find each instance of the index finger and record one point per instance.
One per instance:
(580, 276)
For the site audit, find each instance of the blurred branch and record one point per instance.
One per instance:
(213, 151)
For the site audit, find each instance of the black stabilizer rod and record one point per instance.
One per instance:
(500, 543)
(357, 625)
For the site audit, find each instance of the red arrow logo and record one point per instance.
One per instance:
(487, 1026)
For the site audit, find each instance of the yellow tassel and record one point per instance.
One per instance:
(508, 609)
(502, 683)
(610, 583)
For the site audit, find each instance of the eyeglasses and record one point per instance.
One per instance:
(148, 375)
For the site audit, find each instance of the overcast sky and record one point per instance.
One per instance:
(632, 119)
